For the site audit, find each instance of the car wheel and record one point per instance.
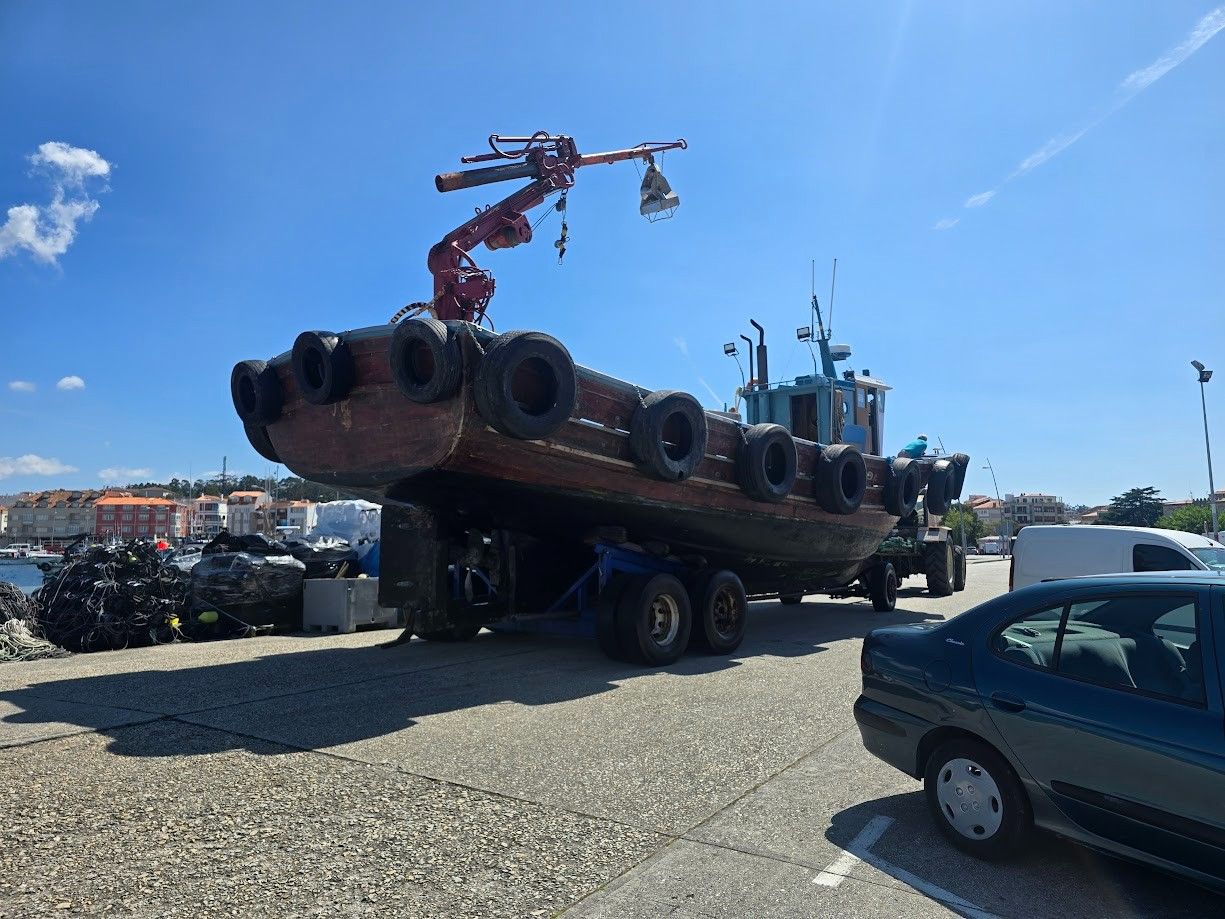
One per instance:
(976, 799)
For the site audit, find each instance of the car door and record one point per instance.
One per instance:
(1128, 747)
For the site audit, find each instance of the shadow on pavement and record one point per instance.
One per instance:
(1052, 877)
(337, 695)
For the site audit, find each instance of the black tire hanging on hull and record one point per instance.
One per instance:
(322, 367)
(941, 488)
(257, 436)
(902, 487)
(526, 386)
(668, 435)
(425, 359)
(256, 392)
(767, 462)
(840, 479)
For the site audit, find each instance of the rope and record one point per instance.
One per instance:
(20, 636)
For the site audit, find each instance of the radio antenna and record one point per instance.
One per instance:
(832, 281)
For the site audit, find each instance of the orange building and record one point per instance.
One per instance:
(124, 516)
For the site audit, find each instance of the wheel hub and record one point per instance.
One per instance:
(969, 799)
(664, 619)
(726, 612)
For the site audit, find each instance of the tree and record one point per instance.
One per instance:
(961, 518)
(1137, 507)
(1191, 518)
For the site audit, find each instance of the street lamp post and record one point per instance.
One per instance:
(1005, 539)
(1204, 376)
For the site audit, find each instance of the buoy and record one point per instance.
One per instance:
(208, 617)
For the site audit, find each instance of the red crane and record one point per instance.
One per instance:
(462, 289)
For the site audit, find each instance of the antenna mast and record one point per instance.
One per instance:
(832, 281)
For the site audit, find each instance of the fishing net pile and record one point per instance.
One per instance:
(20, 635)
(113, 597)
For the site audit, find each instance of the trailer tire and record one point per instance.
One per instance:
(841, 479)
(256, 392)
(654, 620)
(668, 435)
(941, 488)
(767, 462)
(425, 359)
(257, 436)
(606, 616)
(720, 609)
(959, 569)
(902, 487)
(451, 633)
(881, 582)
(526, 386)
(322, 367)
(939, 565)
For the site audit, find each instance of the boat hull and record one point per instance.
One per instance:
(378, 444)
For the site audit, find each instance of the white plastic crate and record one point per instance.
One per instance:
(343, 605)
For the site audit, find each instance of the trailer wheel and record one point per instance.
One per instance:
(256, 392)
(654, 620)
(322, 367)
(451, 633)
(606, 616)
(720, 610)
(941, 488)
(526, 386)
(939, 565)
(882, 587)
(959, 568)
(425, 359)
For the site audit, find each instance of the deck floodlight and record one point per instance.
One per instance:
(730, 349)
(1204, 374)
(658, 200)
(803, 333)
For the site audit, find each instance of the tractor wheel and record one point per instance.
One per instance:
(939, 565)
(882, 587)
(959, 569)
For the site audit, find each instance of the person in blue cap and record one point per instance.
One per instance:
(916, 447)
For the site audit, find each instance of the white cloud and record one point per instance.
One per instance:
(46, 231)
(946, 223)
(1131, 86)
(70, 382)
(1145, 77)
(22, 386)
(121, 475)
(714, 395)
(682, 345)
(30, 464)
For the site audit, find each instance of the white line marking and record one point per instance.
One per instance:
(842, 865)
(858, 851)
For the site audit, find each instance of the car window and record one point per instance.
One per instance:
(1211, 556)
(1147, 557)
(1030, 639)
(1146, 643)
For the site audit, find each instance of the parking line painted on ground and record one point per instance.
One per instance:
(840, 867)
(858, 851)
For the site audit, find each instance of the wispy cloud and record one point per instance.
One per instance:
(946, 223)
(682, 345)
(70, 382)
(116, 475)
(31, 464)
(22, 386)
(46, 231)
(714, 395)
(1131, 86)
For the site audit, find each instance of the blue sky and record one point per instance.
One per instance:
(269, 167)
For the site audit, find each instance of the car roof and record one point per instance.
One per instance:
(1189, 540)
(1209, 578)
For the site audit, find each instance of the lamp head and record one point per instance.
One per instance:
(803, 333)
(1198, 366)
(730, 349)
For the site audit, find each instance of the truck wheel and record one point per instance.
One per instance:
(938, 563)
(976, 799)
(606, 616)
(451, 633)
(720, 610)
(654, 620)
(882, 588)
(959, 568)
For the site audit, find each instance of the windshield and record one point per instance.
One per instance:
(1211, 556)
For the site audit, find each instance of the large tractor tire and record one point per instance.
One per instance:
(939, 565)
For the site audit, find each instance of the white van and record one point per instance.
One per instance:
(1044, 552)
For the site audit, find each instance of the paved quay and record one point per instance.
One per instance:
(509, 776)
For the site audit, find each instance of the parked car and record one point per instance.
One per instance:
(1091, 707)
(1044, 552)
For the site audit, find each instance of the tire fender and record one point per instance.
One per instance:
(256, 392)
(322, 367)
(766, 463)
(840, 479)
(668, 435)
(902, 487)
(425, 359)
(526, 386)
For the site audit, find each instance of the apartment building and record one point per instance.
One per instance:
(245, 512)
(52, 516)
(210, 514)
(1030, 507)
(122, 515)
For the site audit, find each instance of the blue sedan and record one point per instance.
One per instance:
(1089, 707)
